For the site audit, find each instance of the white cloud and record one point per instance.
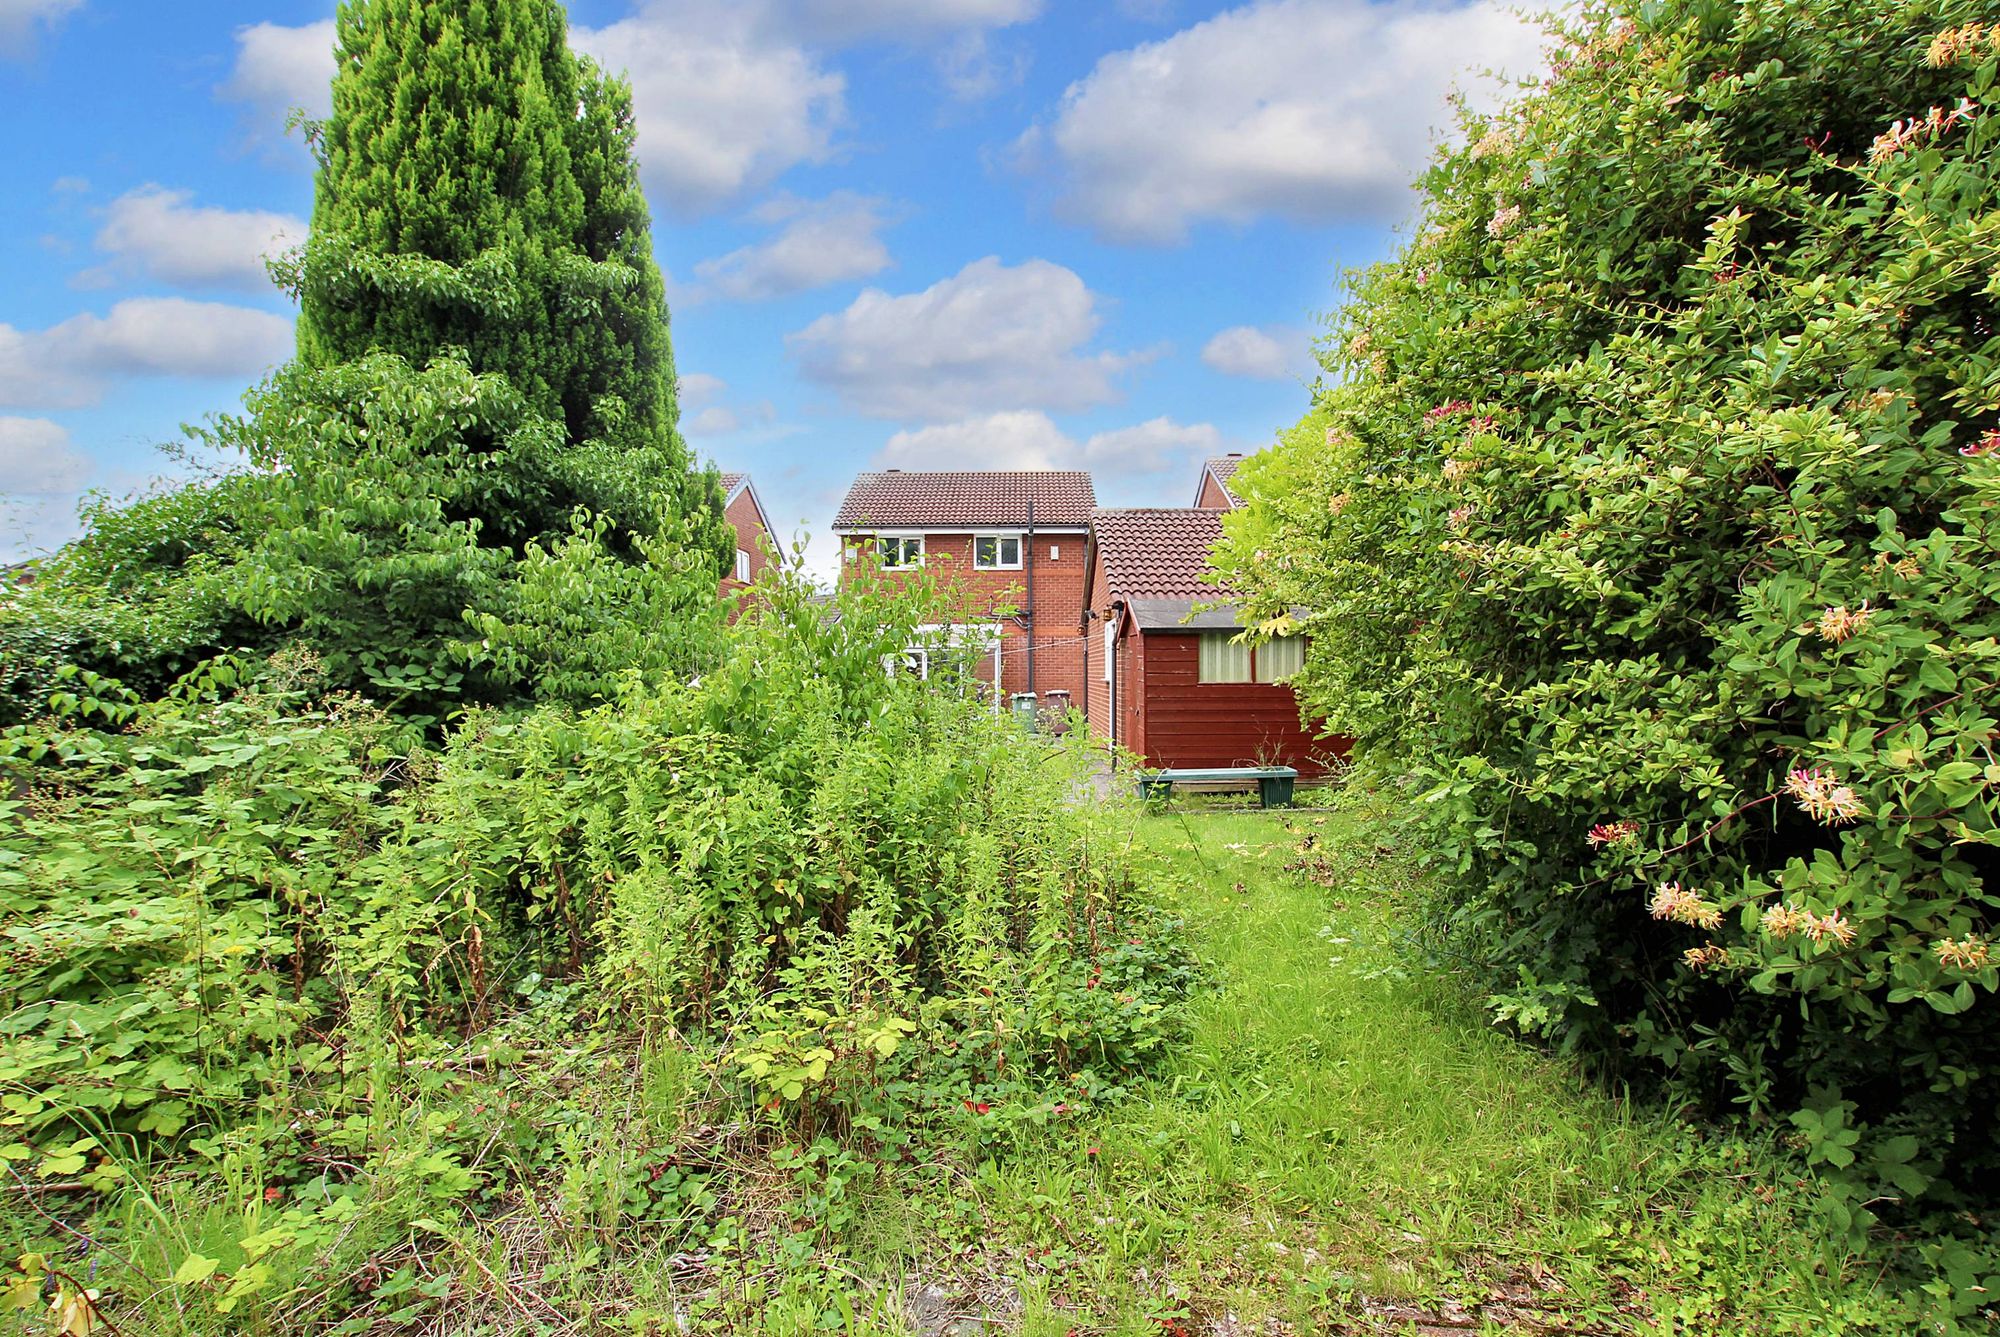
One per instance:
(723, 105)
(698, 387)
(703, 412)
(1016, 439)
(160, 233)
(1309, 109)
(1268, 354)
(31, 526)
(279, 68)
(65, 365)
(37, 459)
(1029, 439)
(988, 338)
(1150, 447)
(20, 18)
(728, 94)
(833, 240)
(972, 67)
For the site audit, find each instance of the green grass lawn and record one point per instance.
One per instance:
(1346, 1145)
(1341, 1144)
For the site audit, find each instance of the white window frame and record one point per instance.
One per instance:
(997, 539)
(743, 565)
(981, 637)
(1110, 644)
(900, 540)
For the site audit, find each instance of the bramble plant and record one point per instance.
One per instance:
(1649, 507)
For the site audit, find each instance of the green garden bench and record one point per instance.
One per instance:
(1274, 783)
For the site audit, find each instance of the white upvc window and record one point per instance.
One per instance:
(743, 566)
(1223, 658)
(899, 552)
(1280, 657)
(996, 552)
(1110, 644)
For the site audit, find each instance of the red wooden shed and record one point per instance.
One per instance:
(1169, 677)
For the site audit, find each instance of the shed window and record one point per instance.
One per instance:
(898, 552)
(1280, 657)
(1223, 658)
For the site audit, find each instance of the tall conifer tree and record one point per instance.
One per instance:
(477, 193)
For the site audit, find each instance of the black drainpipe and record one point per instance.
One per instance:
(1029, 556)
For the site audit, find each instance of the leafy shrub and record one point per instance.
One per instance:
(138, 597)
(1651, 512)
(237, 915)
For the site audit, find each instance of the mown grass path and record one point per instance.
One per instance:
(1345, 1145)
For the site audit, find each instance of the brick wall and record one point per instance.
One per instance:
(750, 537)
(1212, 498)
(1128, 663)
(1002, 595)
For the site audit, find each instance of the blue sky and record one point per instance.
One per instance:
(909, 233)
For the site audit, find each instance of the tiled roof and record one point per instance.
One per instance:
(1158, 553)
(730, 482)
(1224, 469)
(898, 500)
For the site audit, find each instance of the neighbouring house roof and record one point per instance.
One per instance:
(894, 499)
(734, 486)
(1157, 553)
(1222, 468)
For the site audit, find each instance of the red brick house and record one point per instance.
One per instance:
(753, 531)
(1214, 494)
(1171, 683)
(1013, 541)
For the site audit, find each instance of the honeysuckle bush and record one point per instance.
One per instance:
(242, 918)
(1648, 507)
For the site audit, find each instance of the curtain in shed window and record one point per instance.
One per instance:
(1223, 658)
(1279, 658)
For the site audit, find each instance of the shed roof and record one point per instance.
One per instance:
(894, 499)
(1180, 615)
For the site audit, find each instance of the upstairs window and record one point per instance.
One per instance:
(743, 566)
(996, 552)
(900, 552)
